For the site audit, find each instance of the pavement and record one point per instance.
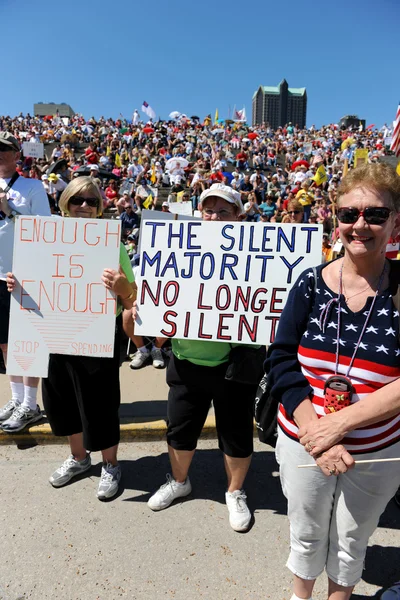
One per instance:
(64, 544)
(143, 409)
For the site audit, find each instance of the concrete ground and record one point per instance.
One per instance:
(64, 544)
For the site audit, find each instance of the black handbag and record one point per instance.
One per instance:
(266, 413)
(246, 364)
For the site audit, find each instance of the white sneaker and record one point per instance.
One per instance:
(109, 481)
(239, 514)
(139, 359)
(156, 355)
(169, 492)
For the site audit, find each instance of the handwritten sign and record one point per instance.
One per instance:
(33, 149)
(60, 305)
(220, 281)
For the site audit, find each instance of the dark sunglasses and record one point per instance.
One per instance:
(78, 201)
(5, 148)
(373, 215)
(294, 212)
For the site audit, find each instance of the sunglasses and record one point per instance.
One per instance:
(374, 215)
(78, 201)
(294, 212)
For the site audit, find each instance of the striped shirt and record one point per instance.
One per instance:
(303, 357)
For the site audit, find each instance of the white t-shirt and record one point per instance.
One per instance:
(26, 197)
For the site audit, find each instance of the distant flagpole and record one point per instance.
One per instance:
(395, 145)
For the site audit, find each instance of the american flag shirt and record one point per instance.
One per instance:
(302, 356)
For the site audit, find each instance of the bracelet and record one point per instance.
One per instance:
(131, 295)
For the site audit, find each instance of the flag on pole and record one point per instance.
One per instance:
(146, 108)
(240, 115)
(153, 177)
(148, 202)
(320, 176)
(216, 116)
(395, 145)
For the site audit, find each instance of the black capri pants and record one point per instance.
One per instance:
(82, 394)
(5, 298)
(191, 390)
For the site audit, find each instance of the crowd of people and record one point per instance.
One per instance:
(337, 347)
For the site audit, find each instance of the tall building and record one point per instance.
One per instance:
(280, 105)
(42, 109)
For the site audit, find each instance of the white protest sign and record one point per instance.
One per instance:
(33, 149)
(60, 305)
(181, 208)
(220, 281)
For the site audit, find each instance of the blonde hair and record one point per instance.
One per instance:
(78, 186)
(295, 205)
(379, 177)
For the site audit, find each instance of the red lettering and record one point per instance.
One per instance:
(222, 327)
(23, 293)
(68, 288)
(245, 301)
(187, 323)
(166, 319)
(50, 301)
(75, 266)
(275, 300)
(200, 304)
(53, 225)
(274, 320)
(262, 303)
(22, 229)
(201, 335)
(116, 234)
(218, 304)
(67, 223)
(252, 332)
(146, 288)
(85, 234)
(75, 307)
(175, 286)
(57, 256)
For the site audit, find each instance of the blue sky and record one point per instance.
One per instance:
(105, 58)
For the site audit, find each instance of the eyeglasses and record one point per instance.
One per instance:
(221, 214)
(78, 201)
(373, 215)
(294, 212)
(5, 148)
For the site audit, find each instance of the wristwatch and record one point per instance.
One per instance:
(12, 214)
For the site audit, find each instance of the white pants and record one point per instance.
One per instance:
(332, 518)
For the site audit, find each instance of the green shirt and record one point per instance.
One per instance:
(206, 354)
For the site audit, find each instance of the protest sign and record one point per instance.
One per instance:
(360, 157)
(181, 208)
(33, 149)
(220, 281)
(60, 305)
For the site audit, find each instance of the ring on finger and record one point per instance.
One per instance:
(310, 446)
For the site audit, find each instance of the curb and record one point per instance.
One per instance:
(131, 431)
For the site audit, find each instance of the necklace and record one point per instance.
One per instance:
(363, 290)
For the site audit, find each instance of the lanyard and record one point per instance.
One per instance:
(325, 314)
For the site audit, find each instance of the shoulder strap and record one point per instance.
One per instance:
(11, 182)
(394, 278)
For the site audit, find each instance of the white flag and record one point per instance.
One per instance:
(146, 108)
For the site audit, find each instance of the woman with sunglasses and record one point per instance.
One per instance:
(81, 394)
(335, 368)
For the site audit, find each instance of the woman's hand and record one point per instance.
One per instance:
(334, 461)
(318, 436)
(116, 282)
(11, 282)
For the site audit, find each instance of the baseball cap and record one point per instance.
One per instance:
(44, 177)
(94, 167)
(165, 204)
(9, 140)
(225, 192)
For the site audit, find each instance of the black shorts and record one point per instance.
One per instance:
(191, 390)
(82, 394)
(5, 298)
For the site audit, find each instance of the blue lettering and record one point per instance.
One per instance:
(282, 237)
(212, 265)
(310, 231)
(146, 259)
(227, 237)
(170, 263)
(191, 256)
(291, 267)
(192, 235)
(225, 265)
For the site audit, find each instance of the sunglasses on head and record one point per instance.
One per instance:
(78, 201)
(373, 215)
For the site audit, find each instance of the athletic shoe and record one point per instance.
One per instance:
(169, 492)
(109, 481)
(69, 469)
(139, 359)
(21, 417)
(157, 357)
(397, 497)
(239, 514)
(8, 409)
